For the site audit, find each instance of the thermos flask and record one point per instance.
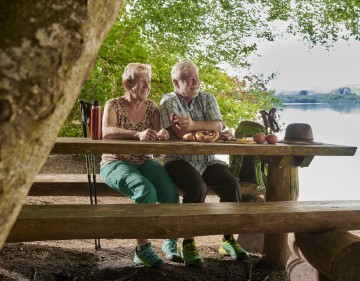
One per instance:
(96, 121)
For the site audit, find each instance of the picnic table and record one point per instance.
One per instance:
(283, 161)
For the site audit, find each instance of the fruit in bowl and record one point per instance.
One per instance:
(271, 139)
(259, 138)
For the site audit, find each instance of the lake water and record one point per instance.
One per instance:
(328, 177)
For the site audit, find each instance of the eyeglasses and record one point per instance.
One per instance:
(191, 80)
(144, 81)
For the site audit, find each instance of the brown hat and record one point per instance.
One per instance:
(299, 133)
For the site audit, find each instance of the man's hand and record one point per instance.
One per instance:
(181, 125)
(182, 122)
(163, 134)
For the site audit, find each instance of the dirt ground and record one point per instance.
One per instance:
(78, 259)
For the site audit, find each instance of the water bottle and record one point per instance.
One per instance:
(96, 121)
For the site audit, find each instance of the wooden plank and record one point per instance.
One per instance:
(68, 184)
(86, 145)
(74, 185)
(62, 222)
(303, 161)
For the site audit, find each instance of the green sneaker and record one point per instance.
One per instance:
(231, 247)
(170, 249)
(147, 257)
(191, 255)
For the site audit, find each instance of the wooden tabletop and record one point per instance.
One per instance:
(86, 145)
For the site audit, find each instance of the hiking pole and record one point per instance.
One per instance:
(273, 124)
(91, 157)
(93, 169)
(85, 118)
(265, 120)
(95, 134)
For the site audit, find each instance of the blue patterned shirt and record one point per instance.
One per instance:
(204, 107)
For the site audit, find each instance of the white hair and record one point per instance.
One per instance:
(135, 68)
(182, 67)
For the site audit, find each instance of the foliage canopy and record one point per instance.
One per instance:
(213, 34)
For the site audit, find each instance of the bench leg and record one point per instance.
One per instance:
(282, 185)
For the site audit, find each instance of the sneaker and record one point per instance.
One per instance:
(170, 249)
(191, 255)
(232, 248)
(147, 257)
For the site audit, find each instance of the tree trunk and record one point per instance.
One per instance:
(47, 50)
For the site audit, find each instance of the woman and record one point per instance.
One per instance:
(139, 177)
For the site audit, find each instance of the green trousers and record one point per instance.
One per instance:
(145, 183)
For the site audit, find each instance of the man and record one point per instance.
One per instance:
(189, 110)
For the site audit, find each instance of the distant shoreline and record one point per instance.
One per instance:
(317, 98)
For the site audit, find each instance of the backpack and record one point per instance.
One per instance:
(249, 167)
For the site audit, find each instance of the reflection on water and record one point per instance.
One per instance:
(343, 107)
(328, 177)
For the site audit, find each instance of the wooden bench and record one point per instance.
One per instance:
(320, 226)
(282, 185)
(72, 185)
(77, 185)
(62, 222)
(68, 184)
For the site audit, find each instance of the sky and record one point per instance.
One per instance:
(301, 68)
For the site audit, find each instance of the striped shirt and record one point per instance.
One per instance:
(203, 107)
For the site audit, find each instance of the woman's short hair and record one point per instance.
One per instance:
(135, 68)
(182, 67)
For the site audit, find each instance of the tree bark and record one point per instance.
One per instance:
(47, 50)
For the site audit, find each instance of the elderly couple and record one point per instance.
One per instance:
(143, 179)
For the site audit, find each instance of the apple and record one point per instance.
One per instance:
(271, 139)
(259, 138)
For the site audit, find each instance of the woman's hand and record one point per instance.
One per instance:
(148, 134)
(163, 134)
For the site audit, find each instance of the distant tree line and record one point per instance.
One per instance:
(306, 96)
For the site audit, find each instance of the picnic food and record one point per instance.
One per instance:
(207, 136)
(271, 139)
(226, 136)
(245, 140)
(189, 137)
(201, 136)
(259, 138)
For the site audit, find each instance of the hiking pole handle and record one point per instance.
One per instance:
(265, 120)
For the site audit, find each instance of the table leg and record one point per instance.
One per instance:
(282, 185)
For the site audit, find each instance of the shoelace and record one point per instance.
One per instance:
(149, 253)
(234, 242)
(192, 249)
(172, 245)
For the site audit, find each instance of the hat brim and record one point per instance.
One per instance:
(298, 142)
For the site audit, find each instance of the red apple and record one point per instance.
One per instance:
(259, 138)
(271, 139)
